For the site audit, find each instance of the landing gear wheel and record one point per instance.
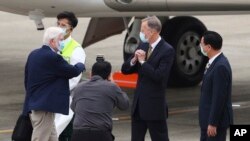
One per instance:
(184, 34)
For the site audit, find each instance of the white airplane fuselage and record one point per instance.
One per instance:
(124, 8)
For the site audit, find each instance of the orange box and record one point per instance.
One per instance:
(125, 81)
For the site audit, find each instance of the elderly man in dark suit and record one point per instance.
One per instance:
(215, 110)
(47, 77)
(152, 61)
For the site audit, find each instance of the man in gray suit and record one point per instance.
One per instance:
(215, 110)
(93, 104)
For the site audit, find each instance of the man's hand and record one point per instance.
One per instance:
(211, 131)
(135, 58)
(141, 55)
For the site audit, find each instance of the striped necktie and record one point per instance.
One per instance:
(149, 51)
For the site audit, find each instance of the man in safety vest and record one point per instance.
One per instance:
(72, 52)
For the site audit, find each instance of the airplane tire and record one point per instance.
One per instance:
(184, 34)
(126, 55)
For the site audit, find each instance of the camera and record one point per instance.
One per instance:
(100, 58)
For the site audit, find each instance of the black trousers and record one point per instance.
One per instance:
(91, 135)
(157, 129)
(67, 132)
(221, 135)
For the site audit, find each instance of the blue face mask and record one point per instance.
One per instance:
(61, 45)
(143, 38)
(203, 52)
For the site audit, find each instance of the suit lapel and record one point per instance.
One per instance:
(156, 50)
(211, 68)
(47, 48)
(214, 62)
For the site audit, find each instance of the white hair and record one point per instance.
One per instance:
(51, 33)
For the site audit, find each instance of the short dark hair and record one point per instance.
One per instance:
(102, 68)
(214, 39)
(69, 16)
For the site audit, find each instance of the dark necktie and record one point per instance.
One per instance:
(149, 51)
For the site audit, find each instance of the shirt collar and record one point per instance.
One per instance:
(213, 58)
(50, 47)
(154, 44)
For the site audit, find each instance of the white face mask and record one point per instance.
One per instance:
(202, 51)
(64, 30)
(60, 45)
(143, 38)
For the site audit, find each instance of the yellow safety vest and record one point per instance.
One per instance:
(68, 49)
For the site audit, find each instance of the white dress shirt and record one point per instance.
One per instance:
(78, 55)
(153, 45)
(210, 61)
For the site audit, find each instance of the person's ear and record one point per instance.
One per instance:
(110, 77)
(69, 29)
(90, 74)
(51, 42)
(209, 47)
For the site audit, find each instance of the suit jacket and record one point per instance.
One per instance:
(215, 100)
(47, 77)
(149, 95)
